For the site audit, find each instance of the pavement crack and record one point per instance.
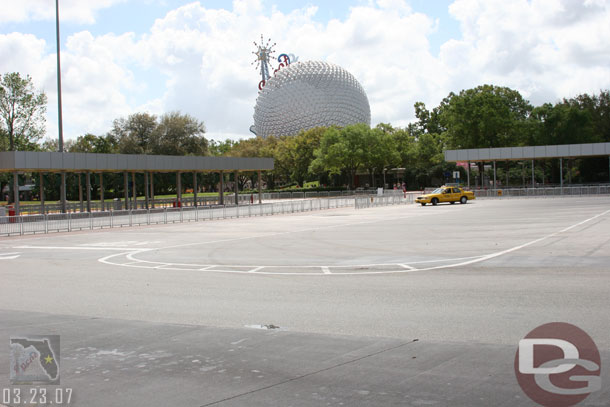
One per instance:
(292, 379)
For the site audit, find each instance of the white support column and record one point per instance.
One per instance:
(221, 189)
(16, 192)
(468, 174)
(42, 210)
(495, 186)
(126, 187)
(178, 189)
(62, 193)
(146, 190)
(260, 187)
(195, 189)
(80, 193)
(561, 174)
(134, 191)
(88, 192)
(152, 189)
(236, 188)
(533, 178)
(103, 206)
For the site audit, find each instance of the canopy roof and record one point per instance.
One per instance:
(77, 162)
(529, 153)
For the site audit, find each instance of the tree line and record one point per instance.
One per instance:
(485, 116)
(355, 155)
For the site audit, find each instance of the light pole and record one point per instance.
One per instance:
(62, 187)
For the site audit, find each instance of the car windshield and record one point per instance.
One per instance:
(437, 191)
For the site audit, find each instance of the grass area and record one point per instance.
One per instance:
(312, 184)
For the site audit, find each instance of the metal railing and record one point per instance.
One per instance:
(584, 190)
(229, 199)
(31, 224)
(401, 198)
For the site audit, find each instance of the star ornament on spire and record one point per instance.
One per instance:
(264, 54)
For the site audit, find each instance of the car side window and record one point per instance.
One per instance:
(447, 191)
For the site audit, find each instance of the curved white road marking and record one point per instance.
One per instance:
(404, 267)
(9, 256)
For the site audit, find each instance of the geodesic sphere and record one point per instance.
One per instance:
(309, 94)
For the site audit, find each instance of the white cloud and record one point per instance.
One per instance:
(94, 82)
(78, 11)
(545, 49)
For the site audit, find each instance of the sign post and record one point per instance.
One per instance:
(456, 177)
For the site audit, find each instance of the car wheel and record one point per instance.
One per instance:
(434, 201)
(452, 202)
(463, 200)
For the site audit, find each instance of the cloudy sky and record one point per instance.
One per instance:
(125, 56)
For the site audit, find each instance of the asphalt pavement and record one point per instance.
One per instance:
(402, 305)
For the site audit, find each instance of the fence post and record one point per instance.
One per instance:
(165, 215)
(90, 218)
(69, 222)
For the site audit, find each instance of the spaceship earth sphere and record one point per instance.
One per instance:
(309, 94)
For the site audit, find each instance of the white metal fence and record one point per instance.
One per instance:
(21, 225)
(56, 222)
(543, 191)
(229, 199)
(401, 198)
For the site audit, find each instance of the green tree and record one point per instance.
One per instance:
(251, 147)
(429, 158)
(428, 121)
(562, 123)
(134, 134)
(598, 108)
(90, 143)
(382, 152)
(342, 150)
(22, 112)
(486, 116)
(220, 148)
(296, 153)
(179, 134)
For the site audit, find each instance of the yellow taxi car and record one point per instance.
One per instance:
(446, 194)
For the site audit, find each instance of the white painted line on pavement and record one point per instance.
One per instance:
(326, 269)
(81, 248)
(9, 256)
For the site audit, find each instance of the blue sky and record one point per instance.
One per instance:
(124, 56)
